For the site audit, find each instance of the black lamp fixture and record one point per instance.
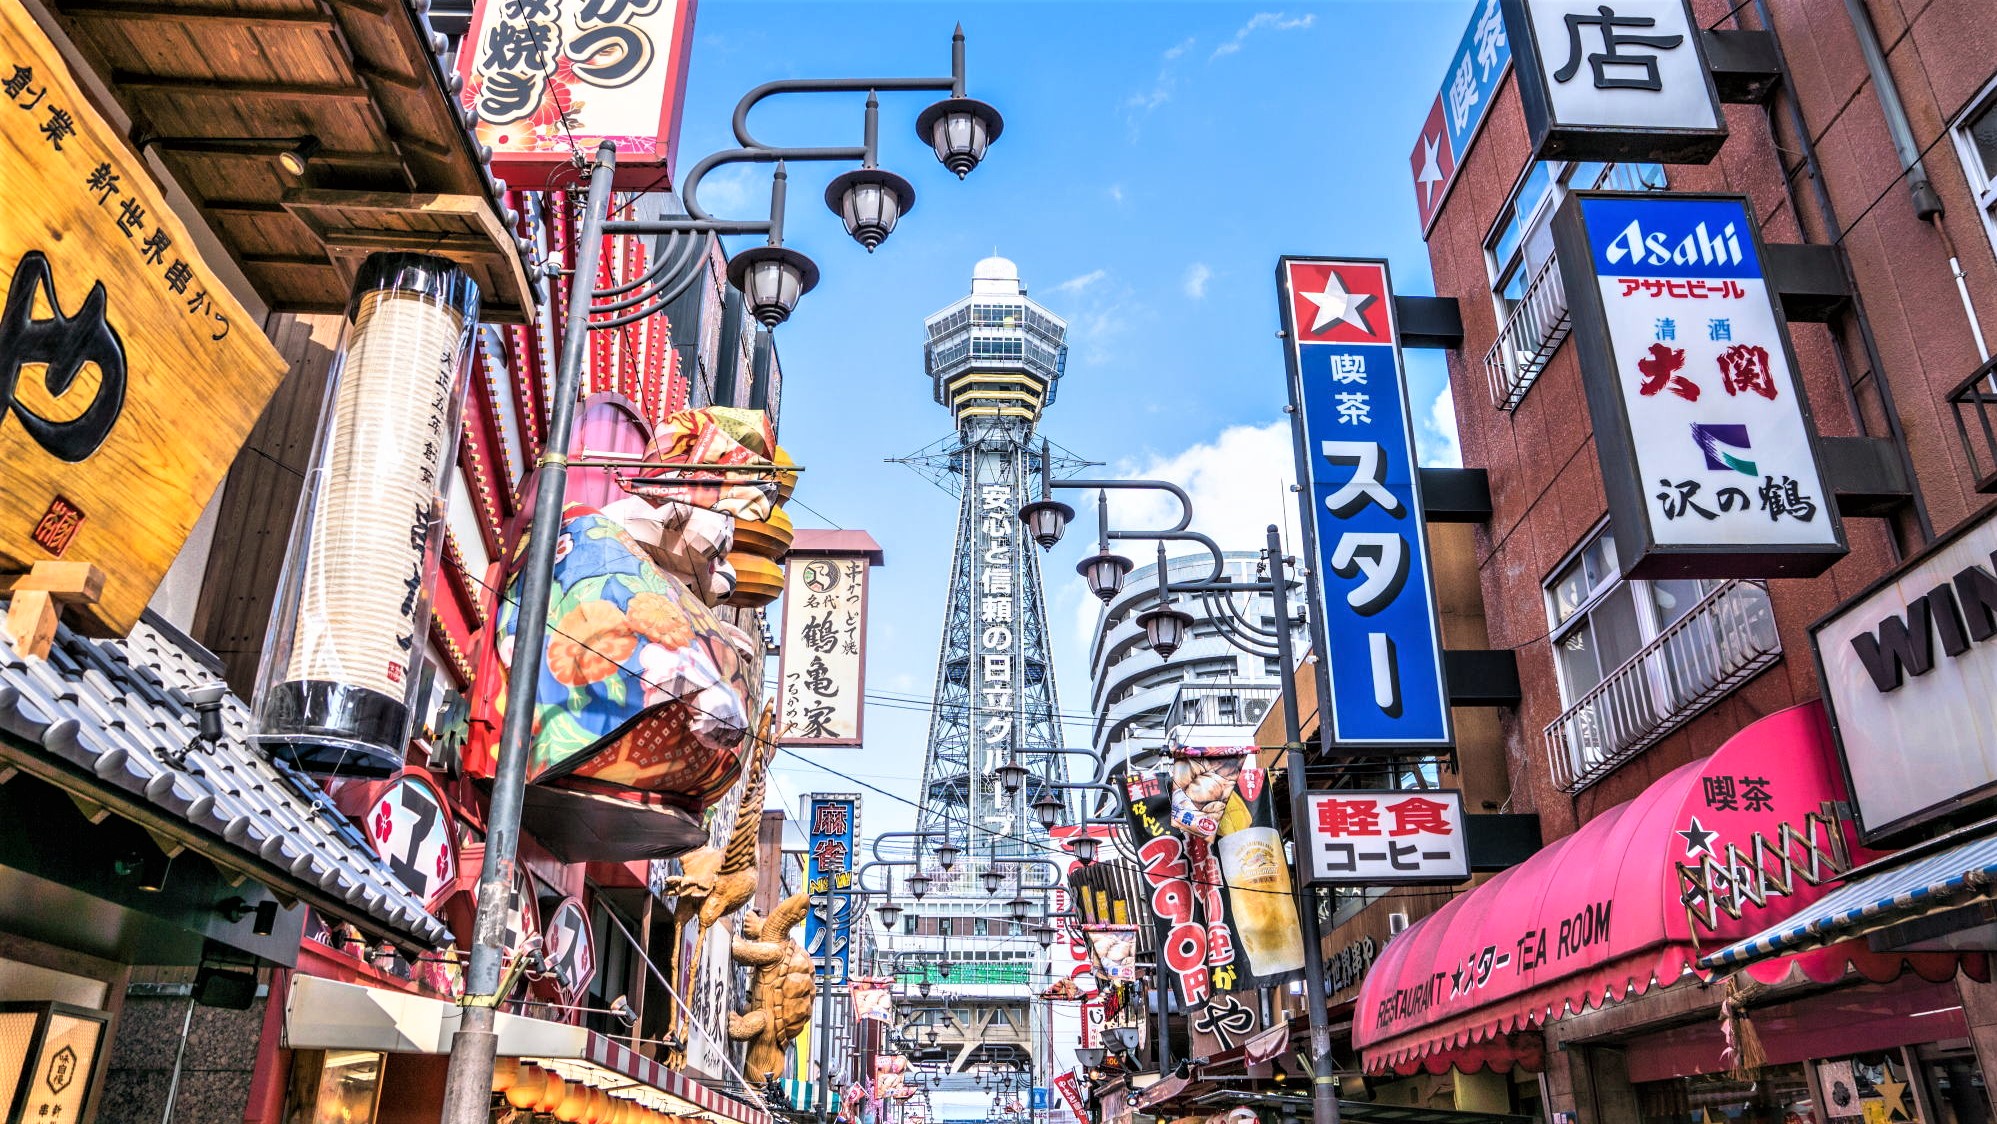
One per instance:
(1046, 521)
(772, 278)
(1165, 628)
(918, 884)
(1048, 809)
(959, 130)
(932, 1036)
(923, 987)
(1089, 1057)
(1020, 908)
(1044, 934)
(992, 879)
(869, 201)
(1084, 847)
(943, 970)
(1011, 776)
(946, 855)
(890, 914)
(1105, 572)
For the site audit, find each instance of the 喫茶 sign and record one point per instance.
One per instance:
(1708, 451)
(1475, 72)
(1621, 80)
(1376, 622)
(549, 80)
(129, 375)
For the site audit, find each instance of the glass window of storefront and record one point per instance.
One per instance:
(1779, 1094)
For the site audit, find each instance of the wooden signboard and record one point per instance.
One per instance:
(129, 375)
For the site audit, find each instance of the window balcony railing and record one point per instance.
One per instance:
(1223, 702)
(1530, 336)
(1722, 642)
(1975, 405)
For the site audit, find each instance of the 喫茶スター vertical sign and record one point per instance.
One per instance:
(1376, 623)
(129, 374)
(1708, 451)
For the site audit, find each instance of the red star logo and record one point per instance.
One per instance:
(1339, 302)
(1433, 164)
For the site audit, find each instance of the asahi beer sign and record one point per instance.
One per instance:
(1377, 622)
(548, 80)
(1910, 671)
(1623, 80)
(1391, 837)
(1707, 445)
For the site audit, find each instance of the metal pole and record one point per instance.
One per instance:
(825, 1007)
(1324, 1089)
(468, 1082)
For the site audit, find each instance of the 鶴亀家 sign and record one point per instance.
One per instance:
(1393, 837)
(822, 668)
(1376, 623)
(1621, 80)
(1708, 450)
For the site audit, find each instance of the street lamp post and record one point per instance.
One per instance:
(772, 278)
(1047, 520)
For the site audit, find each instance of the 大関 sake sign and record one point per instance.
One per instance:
(115, 333)
(1377, 622)
(1708, 451)
(549, 80)
(822, 667)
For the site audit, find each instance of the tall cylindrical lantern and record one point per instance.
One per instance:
(342, 660)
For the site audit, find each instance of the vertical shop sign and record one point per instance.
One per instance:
(994, 631)
(1376, 622)
(1475, 72)
(114, 333)
(1222, 805)
(833, 824)
(1392, 837)
(1621, 80)
(1708, 450)
(571, 949)
(823, 664)
(411, 828)
(1166, 874)
(549, 80)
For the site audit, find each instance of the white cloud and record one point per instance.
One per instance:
(1115, 193)
(1076, 285)
(1262, 21)
(1239, 483)
(1178, 49)
(1139, 105)
(1436, 439)
(1195, 283)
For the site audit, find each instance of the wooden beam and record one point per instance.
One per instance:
(276, 261)
(399, 81)
(219, 87)
(243, 207)
(415, 241)
(197, 13)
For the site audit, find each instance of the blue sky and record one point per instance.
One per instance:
(1156, 160)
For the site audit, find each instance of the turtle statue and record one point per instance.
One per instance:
(780, 997)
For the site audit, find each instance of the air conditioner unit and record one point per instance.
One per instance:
(1396, 922)
(1254, 710)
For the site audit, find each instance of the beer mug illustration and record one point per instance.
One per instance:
(1260, 898)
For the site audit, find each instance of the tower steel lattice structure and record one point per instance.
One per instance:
(995, 358)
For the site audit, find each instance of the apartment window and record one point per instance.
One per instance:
(945, 926)
(1531, 303)
(980, 927)
(1638, 659)
(1976, 143)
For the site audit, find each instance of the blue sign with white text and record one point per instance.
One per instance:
(832, 825)
(1379, 637)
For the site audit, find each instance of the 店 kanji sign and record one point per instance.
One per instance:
(1376, 623)
(1355, 836)
(549, 80)
(1475, 72)
(1708, 450)
(1621, 80)
(129, 374)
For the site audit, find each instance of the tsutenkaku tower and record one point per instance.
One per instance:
(994, 358)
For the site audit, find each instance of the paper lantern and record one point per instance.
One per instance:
(770, 538)
(352, 615)
(505, 1074)
(529, 1085)
(552, 1094)
(758, 580)
(575, 1106)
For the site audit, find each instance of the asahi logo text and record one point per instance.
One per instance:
(1699, 247)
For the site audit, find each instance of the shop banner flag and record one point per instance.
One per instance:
(872, 998)
(1114, 950)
